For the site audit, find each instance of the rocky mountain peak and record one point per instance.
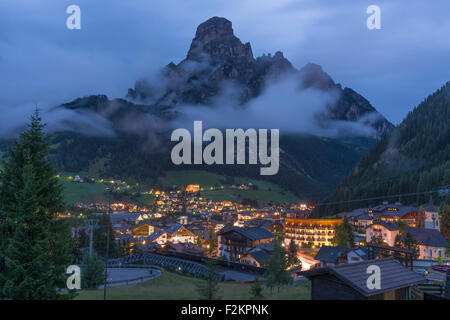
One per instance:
(215, 37)
(214, 29)
(217, 58)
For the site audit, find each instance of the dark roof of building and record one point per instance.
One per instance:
(262, 223)
(363, 252)
(255, 233)
(155, 235)
(330, 254)
(400, 211)
(426, 237)
(268, 247)
(226, 228)
(259, 255)
(388, 226)
(250, 233)
(396, 210)
(174, 228)
(393, 275)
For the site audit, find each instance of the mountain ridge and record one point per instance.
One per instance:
(216, 56)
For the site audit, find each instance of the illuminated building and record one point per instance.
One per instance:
(193, 188)
(142, 230)
(386, 212)
(235, 242)
(384, 231)
(314, 232)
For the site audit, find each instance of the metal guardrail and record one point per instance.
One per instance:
(134, 280)
(150, 259)
(243, 267)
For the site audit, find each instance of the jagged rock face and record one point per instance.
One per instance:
(218, 58)
(215, 38)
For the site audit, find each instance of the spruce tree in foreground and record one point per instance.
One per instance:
(256, 290)
(208, 289)
(276, 273)
(34, 245)
(93, 271)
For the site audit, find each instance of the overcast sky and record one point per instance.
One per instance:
(44, 63)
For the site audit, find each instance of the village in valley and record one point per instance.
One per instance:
(180, 229)
(225, 154)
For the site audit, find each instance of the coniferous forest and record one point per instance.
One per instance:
(414, 157)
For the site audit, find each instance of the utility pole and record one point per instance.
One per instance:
(91, 223)
(107, 244)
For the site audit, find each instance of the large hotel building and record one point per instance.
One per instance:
(312, 232)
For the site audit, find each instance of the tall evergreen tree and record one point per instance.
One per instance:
(344, 236)
(410, 243)
(293, 259)
(445, 221)
(93, 271)
(34, 245)
(276, 272)
(100, 237)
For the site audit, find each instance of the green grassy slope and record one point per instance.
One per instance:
(171, 286)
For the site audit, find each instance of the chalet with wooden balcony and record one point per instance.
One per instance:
(235, 242)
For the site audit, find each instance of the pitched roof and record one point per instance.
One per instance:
(155, 235)
(268, 247)
(426, 237)
(173, 228)
(226, 228)
(262, 223)
(255, 233)
(363, 252)
(250, 233)
(259, 255)
(396, 210)
(330, 254)
(388, 226)
(393, 275)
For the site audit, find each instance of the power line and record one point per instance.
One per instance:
(441, 190)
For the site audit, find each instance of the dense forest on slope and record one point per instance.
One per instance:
(414, 157)
(139, 150)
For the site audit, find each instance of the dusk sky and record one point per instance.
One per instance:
(120, 41)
